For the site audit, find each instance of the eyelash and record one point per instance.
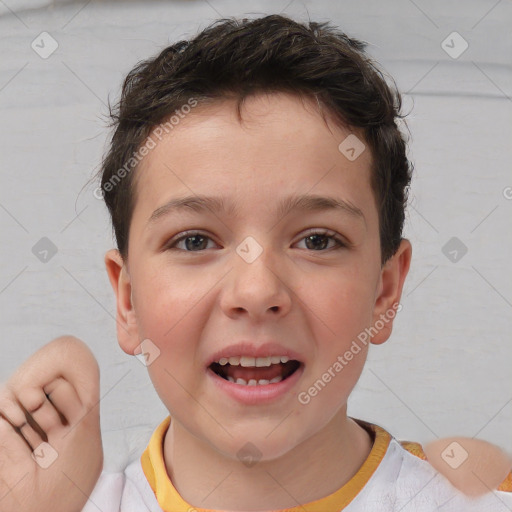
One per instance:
(340, 244)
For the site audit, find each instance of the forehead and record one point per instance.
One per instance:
(282, 142)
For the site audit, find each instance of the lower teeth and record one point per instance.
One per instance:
(254, 382)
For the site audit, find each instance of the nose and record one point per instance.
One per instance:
(257, 289)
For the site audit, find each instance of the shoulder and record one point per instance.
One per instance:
(107, 493)
(138, 492)
(127, 491)
(416, 449)
(406, 480)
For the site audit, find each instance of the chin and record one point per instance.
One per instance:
(260, 447)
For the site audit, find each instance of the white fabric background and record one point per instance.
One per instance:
(446, 369)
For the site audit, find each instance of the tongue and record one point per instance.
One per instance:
(266, 372)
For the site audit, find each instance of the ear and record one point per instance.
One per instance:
(389, 292)
(127, 329)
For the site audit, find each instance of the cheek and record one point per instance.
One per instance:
(174, 322)
(168, 306)
(340, 306)
(171, 315)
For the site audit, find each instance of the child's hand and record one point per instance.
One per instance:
(58, 476)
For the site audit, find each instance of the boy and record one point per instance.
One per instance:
(257, 183)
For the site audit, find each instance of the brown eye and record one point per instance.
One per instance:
(319, 241)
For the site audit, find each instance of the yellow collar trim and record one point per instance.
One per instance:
(168, 498)
(506, 485)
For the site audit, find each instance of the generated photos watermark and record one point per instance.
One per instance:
(304, 397)
(150, 143)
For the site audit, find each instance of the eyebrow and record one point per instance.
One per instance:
(202, 203)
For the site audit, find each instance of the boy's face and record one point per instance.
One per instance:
(303, 294)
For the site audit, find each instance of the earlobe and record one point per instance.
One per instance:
(387, 301)
(127, 331)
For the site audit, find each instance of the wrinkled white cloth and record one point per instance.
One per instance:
(401, 483)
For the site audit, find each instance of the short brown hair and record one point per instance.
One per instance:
(236, 58)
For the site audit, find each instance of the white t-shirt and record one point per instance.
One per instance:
(392, 479)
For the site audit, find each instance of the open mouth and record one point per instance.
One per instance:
(250, 371)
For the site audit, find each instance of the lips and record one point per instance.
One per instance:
(256, 375)
(246, 364)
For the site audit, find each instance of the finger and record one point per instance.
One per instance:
(67, 358)
(40, 412)
(12, 445)
(64, 398)
(14, 415)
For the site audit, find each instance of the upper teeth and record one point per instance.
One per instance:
(253, 361)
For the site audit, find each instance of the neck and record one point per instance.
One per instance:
(206, 478)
